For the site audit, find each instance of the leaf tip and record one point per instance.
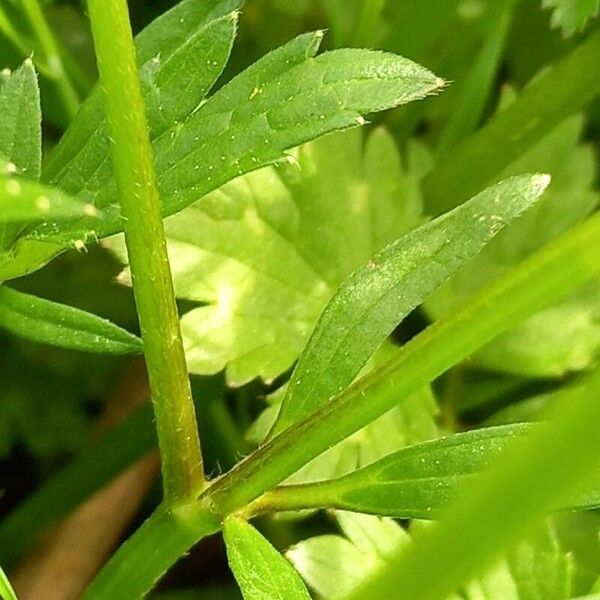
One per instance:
(539, 182)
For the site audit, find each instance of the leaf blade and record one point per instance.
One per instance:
(383, 293)
(261, 572)
(283, 100)
(21, 131)
(532, 478)
(416, 482)
(48, 322)
(572, 15)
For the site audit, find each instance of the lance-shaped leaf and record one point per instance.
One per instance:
(181, 55)
(20, 138)
(192, 41)
(64, 326)
(285, 99)
(415, 482)
(289, 97)
(265, 252)
(372, 301)
(537, 348)
(23, 200)
(20, 120)
(261, 572)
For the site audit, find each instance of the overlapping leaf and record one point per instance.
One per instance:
(375, 298)
(538, 346)
(20, 142)
(21, 131)
(288, 97)
(411, 422)
(267, 251)
(333, 565)
(22, 200)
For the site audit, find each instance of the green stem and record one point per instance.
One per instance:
(52, 58)
(544, 278)
(133, 164)
(542, 105)
(155, 546)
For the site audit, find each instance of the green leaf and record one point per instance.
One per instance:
(261, 572)
(572, 15)
(333, 565)
(20, 143)
(6, 591)
(536, 568)
(272, 247)
(286, 98)
(22, 200)
(415, 482)
(371, 302)
(550, 274)
(181, 55)
(410, 422)
(538, 347)
(20, 124)
(532, 477)
(64, 326)
(81, 158)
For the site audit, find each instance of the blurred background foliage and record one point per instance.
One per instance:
(51, 400)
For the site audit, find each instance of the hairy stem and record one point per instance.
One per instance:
(155, 546)
(543, 279)
(133, 164)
